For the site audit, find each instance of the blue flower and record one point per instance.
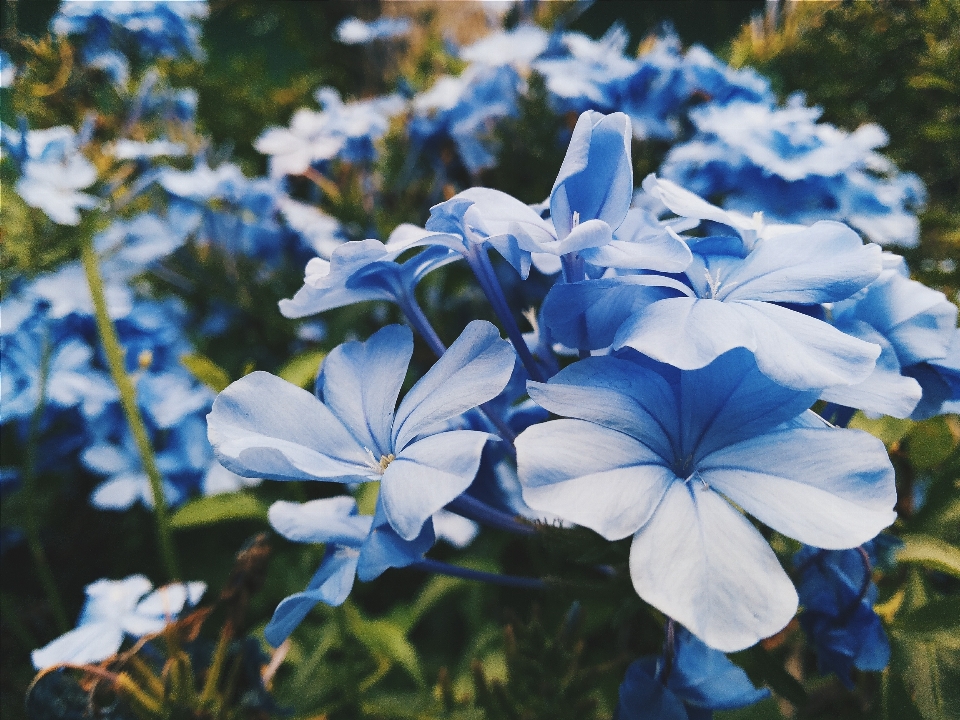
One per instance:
(837, 596)
(915, 327)
(354, 31)
(360, 546)
(660, 454)
(363, 270)
(347, 131)
(114, 609)
(733, 295)
(156, 29)
(783, 162)
(698, 681)
(262, 426)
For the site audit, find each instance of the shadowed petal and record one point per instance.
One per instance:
(331, 585)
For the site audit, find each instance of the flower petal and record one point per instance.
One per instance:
(827, 487)
(826, 262)
(262, 426)
(427, 475)
(331, 584)
(330, 520)
(86, 644)
(687, 333)
(702, 563)
(360, 383)
(617, 394)
(804, 353)
(590, 475)
(473, 370)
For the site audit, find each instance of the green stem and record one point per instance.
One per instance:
(128, 399)
(30, 495)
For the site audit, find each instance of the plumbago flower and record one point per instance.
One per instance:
(114, 609)
(838, 595)
(694, 682)
(915, 326)
(733, 294)
(262, 426)
(360, 546)
(661, 454)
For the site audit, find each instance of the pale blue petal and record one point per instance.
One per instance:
(330, 520)
(474, 369)
(702, 563)
(331, 584)
(617, 394)
(823, 263)
(664, 252)
(113, 599)
(596, 177)
(591, 475)
(588, 234)
(360, 383)
(826, 487)
(804, 353)
(687, 333)
(119, 492)
(427, 475)
(262, 426)
(503, 214)
(87, 644)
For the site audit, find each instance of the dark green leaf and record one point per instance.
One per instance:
(931, 552)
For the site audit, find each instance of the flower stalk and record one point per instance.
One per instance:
(128, 400)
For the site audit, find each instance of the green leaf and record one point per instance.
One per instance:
(929, 443)
(218, 508)
(385, 640)
(438, 587)
(942, 614)
(206, 371)
(931, 552)
(888, 429)
(302, 369)
(925, 667)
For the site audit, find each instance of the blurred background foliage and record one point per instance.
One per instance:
(439, 647)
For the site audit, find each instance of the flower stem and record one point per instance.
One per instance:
(473, 509)
(443, 568)
(480, 263)
(128, 400)
(30, 495)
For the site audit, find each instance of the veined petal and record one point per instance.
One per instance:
(262, 426)
(590, 475)
(826, 487)
(384, 548)
(731, 400)
(826, 262)
(330, 520)
(473, 370)
(428, 474)
(360, 383)
(687, 333)
(804, 353)
(617, 394)
(588, 234)
(702, 563)
(706, 678)
(86, 644)
(331, 584)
